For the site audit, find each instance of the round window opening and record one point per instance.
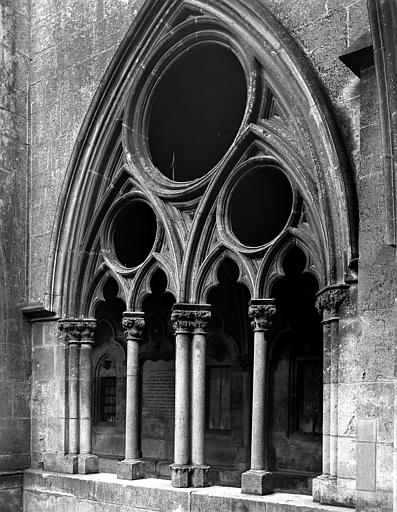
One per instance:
(196, 111)
(134, 233)
(260, 206)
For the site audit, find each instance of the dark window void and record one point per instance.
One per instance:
(134, 233)
(260, 206)
(296, 376)
(196, 111)
(219, 381)
(108, 399)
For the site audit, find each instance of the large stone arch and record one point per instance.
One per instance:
(325, 181)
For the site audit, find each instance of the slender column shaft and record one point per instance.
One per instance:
(133, 323)
(132, 413)
(182, 402)
(85, 397)
(198, 397)
(259, 434)
(262, 312)
(327, 303)
(333, 463)
(326, 397)
(74, 357)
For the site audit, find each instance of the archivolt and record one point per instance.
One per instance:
(312, 127)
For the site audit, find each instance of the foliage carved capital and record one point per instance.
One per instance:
(187, 318)
(133, 324)
(262, 312)
(76, 330)
(329, 299)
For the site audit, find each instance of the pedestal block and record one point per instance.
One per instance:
(180, 475)
(131, 469)
(199, 475)
(257, 482)
(87, 464)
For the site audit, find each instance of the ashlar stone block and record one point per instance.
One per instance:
(131, 469)
(257, 482)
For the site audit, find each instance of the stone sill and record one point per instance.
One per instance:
(150, 494)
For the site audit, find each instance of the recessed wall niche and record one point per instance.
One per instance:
(260, 205)
(134, 233)
(196, 111)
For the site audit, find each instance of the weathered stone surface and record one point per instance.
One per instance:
(57, 492)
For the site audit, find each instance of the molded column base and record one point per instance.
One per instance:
(180, 475)
(199, 475)
(131, 469)
(87, 463)
(257, 482)
(330, 490)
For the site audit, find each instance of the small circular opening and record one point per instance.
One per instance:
(196, 111)
(260, 206)
(134, 233)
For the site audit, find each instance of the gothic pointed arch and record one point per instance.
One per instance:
(283, 125)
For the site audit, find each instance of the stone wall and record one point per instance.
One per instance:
(72, 45)
(103, 492)
(14, 336)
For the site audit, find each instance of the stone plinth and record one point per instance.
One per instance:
(199, 475)
(180, 475)
(131, 469)
(102, 491)
(87, 464)
(257, 482)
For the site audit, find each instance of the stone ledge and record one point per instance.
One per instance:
(50, 490)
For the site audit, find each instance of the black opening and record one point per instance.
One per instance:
(260, 206)
(134, 233)
(196, 111)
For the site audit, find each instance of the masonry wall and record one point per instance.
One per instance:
(72, 45)
(14, 335)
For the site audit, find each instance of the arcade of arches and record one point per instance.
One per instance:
(203, 355)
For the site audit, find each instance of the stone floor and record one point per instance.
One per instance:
(56, 492)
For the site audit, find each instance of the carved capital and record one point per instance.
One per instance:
(87, 330)
(75, 330)
(329, 299)
(262, 312)
(182, 320)
(187, 318)
(133, 323)
(201, 319)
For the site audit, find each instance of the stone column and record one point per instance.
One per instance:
(79, 332)
(182, 318)
(259, 480)
(70, 328)
(132, 467)
(327, 303)
(202, 315)
(87, 462)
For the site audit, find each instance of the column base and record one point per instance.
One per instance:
(180, 475)
(131, 469)
(330, 490)
(199, 475)
(61, 463)
(259, 482)
(87, 464)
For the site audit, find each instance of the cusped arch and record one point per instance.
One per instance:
(271, 269)
(207, 276)
(142, 283)
(286, 71)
